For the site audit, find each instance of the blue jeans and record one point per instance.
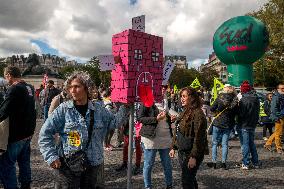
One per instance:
(20, 152)
(45, 111)
(248, 147)
(220, 135)
(149, 160)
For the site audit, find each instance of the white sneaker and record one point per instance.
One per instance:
(244, 167)
(265, 138)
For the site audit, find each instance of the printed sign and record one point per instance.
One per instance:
(138, 23)
(168, 68)
(106, 62)
(74, 138)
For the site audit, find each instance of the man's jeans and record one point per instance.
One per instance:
(276, 135)
(45, 111)
(16, 152)
(149, 160)
(248, 147)
(65, 179)
(220, 135)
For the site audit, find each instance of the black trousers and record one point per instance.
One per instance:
(188, 176)
(65, 179)
(266, 126)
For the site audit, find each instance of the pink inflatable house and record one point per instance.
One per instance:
(139, 61)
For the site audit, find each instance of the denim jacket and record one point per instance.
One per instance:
(73, 130)
(277, 106)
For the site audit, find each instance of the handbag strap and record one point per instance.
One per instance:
(220, 113)
(91, 126)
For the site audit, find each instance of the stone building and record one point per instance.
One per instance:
(216, 64)
(180, 61)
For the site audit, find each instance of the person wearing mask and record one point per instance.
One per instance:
(248, 116)
(82, 126)
(190, 138)
(19, 106)
(277, 116)
(225, 107)
(156, 137)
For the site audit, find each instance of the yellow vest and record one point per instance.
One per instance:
(261, 110)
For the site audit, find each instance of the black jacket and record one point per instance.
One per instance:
(148, 117)
(50, 94)
(248, 114)
(19, 106)
(227, 118)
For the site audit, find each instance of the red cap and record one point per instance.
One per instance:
(245, 87)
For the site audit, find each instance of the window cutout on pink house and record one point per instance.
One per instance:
(138, 54)
(155, 56)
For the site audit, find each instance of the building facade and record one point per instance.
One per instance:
(216, 64)
(179, 61)
(53, 62)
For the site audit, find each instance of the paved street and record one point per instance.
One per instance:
(271, 175)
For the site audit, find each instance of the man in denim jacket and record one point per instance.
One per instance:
(71, 121)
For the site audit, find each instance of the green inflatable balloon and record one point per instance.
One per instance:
(238, 41)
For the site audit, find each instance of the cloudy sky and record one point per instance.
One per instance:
(83, 29)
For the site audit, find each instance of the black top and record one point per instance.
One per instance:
(50, 94)
(82, 109)
(19, 106)
(227, 118)
(248, 111)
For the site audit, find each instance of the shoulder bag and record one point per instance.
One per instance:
(77, 162)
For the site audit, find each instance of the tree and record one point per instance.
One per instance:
(207, 77)
(269, 70)
(184, 77)
(2, 66)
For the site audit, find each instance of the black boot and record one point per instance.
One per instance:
(122, 167)
(224, 166)
(212, 165)
(136, 170)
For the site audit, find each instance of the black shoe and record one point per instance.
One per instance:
(169, 187)
(122, 167)
(136, 170)
(224, 166)
(211, 164)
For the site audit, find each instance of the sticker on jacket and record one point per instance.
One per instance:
(74, 138)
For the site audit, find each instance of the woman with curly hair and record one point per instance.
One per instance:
(190, 137)
(82, 126)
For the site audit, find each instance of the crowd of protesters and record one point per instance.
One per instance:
(80, 121)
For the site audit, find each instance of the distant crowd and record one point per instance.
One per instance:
(80, 121)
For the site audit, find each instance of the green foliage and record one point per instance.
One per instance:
(2, 66)
(184, 77)
(269, 70)
(207, 77)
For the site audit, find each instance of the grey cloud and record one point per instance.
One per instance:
(27, 15)
(15, 46)
(88, 24)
